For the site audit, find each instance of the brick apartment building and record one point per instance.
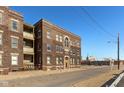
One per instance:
(55, 47)
(11, 39)
(44, 45)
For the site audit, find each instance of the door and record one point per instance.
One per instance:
(66, 62)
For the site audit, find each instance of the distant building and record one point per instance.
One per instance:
(107, 59)
(91, 58)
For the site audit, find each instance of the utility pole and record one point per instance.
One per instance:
(118, 50)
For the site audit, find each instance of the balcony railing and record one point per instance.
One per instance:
(28, 65)
(27, 61)
(28, 35)
(28, 50)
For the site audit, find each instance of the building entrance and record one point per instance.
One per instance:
(66, 62)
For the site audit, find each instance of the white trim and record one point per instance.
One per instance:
(14, 20)
(1, 52)
(14, 54)
(14, 62)
(15, 37)
(1, 11)
(1, 31)
(11, 24)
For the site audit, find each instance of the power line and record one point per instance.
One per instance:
(99, 25)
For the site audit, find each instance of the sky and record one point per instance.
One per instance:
(94, 40)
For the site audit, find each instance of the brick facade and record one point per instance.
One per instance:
(46, 45)
(72, 52)
(7, 33)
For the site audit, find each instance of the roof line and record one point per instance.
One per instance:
(57, 27)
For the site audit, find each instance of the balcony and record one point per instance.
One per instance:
(28, 35)
(27, 61)
(28, 50)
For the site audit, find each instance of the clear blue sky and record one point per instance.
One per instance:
(74, 19)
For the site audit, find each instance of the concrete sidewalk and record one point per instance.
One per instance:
(121, 83)
(25, 74)
(100, 79)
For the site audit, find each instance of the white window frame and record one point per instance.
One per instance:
(1, 38)
(14, 59)
(13, 43)
(60, 38)
(48, 60)
(57, 60)
(14, 20)
(57, 37)
(1, 62)
(61, 61)
(48, 34)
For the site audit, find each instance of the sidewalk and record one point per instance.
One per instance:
(100, 79)
(25, 74)
(121, 83)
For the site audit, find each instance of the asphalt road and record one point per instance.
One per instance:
(57, 80)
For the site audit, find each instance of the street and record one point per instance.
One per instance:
(66, 79)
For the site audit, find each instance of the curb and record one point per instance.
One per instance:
(114, 84)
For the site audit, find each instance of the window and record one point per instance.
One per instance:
(49, 47)
(78, 61)
(74, 52)
(48, 60)
(78, 53)
(39, 59)
(1, 18)
(0, 59)
(60, 38)
(57, 48)
(78, 43)
(14, 42)
(14, 60)
(0, 38)
(57, 37)
(39, 33)
(73, 61)
(61, 49)
(66, 42)
(71, 43)
(70, 52)
(48, 35)
(57, 60)
(14, 25)
(39, 46)
(61, 62)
